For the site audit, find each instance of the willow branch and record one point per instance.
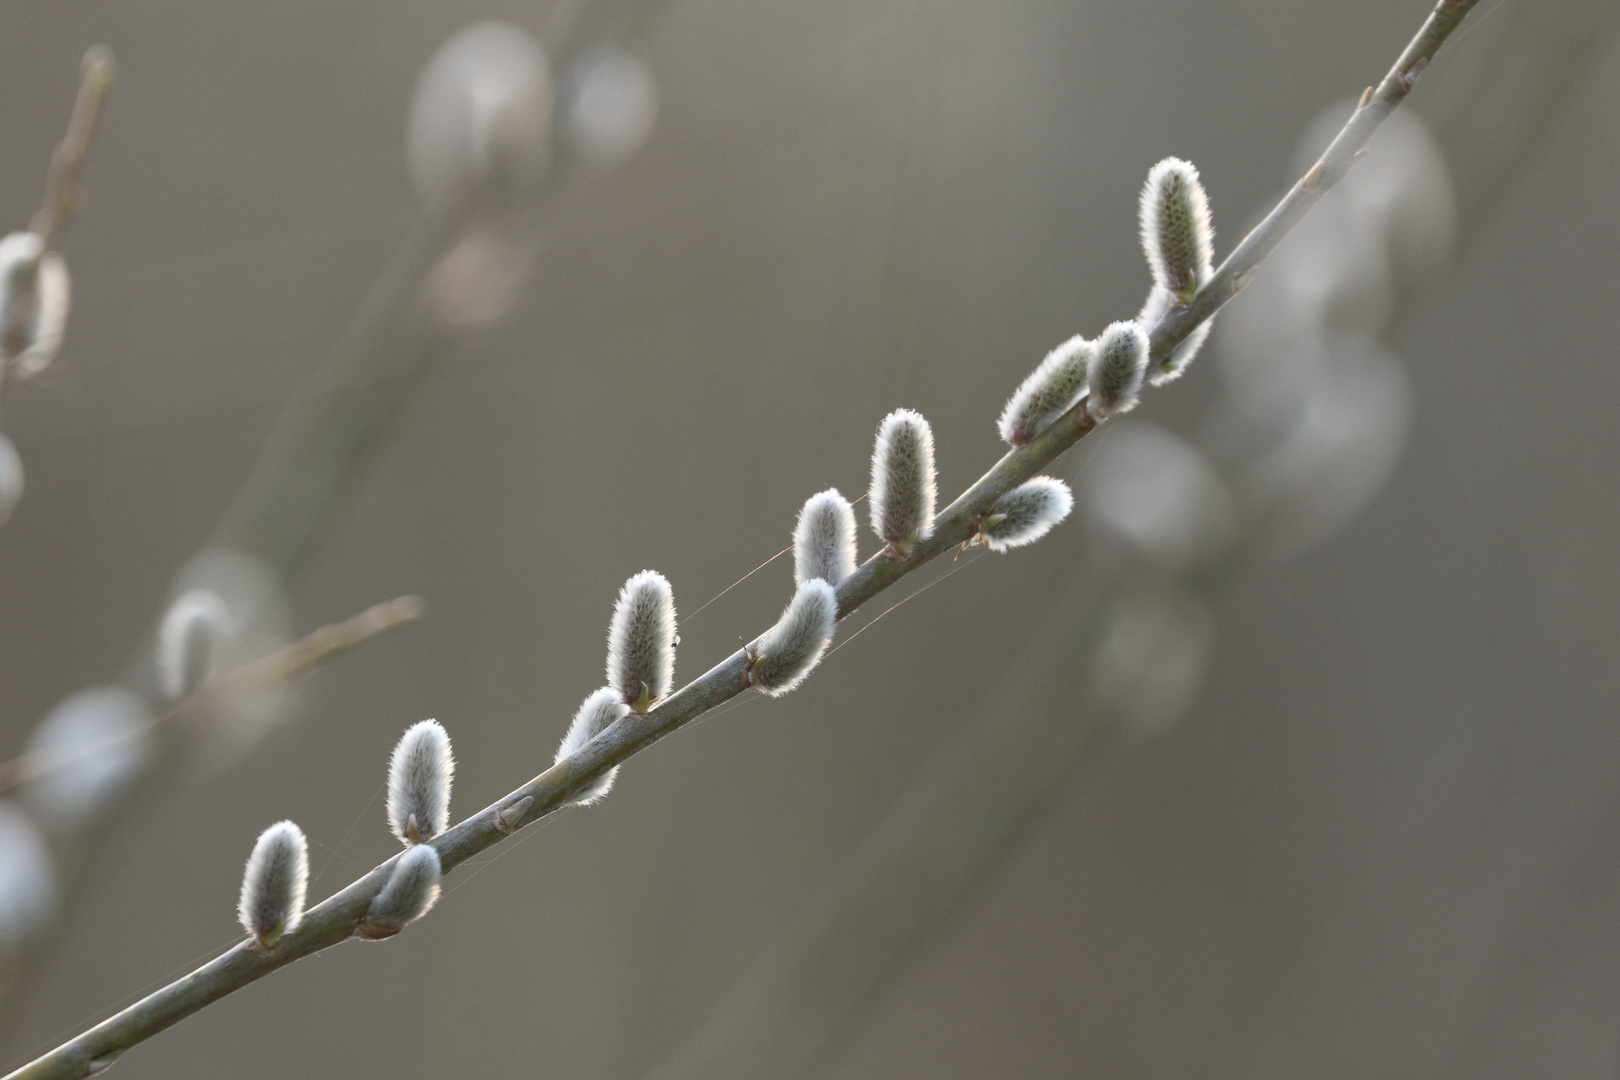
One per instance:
(336, 918)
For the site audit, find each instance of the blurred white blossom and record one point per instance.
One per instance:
(84, 753)
(610, 104)
(28, 894)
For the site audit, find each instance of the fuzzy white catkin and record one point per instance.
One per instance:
(1176, 231)
(1050, 391)
(596, 714)
(28, 890)
(1158, 304)
(641, 640)
(188, 640)
(824, 540)
(1026, 513)
(903, 481)
(11, 478)
(411, 892)
(788, 651)
(419, 778)
(1116, 371)
(273, 885)
(35, 294)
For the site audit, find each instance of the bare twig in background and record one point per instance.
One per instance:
(62, 192)
(282, 666)
(336, 919)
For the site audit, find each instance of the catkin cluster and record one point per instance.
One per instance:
(419, 775)
(1107, 374)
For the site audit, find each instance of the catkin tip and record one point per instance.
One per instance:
(274, 883)
(596, 714)
(641, 641)
(419, 777)
(1177, 235)
(1026, 513)
(903, 481)
(1116, 374)
(824, 539)
(788, 651)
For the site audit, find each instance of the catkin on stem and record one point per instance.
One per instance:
(1158, 305)
(1176, 231)
(188, 639)
(788, 651)
(1026, 513)
(35, 292)
(596, 714)
(412, 890)
(903, 482)
(274, 883)
(824, 540)
(1116, 371)
(419, 776)
(1050, 391)
(641, 641)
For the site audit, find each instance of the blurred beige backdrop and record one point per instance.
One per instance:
(1384, 841)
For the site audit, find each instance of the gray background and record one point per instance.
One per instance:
(1382, 843)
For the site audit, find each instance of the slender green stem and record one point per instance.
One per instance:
(335, 919)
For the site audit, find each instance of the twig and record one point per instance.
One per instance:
(1239, 267)
(335, 919)
(62, 193)
(282, 666)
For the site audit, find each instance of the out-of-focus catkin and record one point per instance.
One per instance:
(188, 641)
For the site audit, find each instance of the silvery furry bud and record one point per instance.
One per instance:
(1159, 303)
(903, 481)
(419, 778)
(1026, 513)
(641, 641)
(412, 890)
(273, 885)
(482, 111)
(188, 639)
(1116, 370)
(35, 292)
(1050, 391)
(595, 715)
(788, 651)
(824, 540)
(1176, 230)
(11, 478)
